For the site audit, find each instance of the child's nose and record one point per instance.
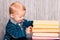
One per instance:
(22, 18)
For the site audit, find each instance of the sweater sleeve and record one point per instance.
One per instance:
(28, 23)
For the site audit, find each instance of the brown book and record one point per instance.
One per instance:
(45, 30)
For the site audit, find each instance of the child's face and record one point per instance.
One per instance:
(18, 15)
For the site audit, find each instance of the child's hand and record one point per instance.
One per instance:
(29, 30)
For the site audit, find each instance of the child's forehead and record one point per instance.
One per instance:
(19, 14)
(18, 11)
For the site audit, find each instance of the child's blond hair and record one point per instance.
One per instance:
(15, 5)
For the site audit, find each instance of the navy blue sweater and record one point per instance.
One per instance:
(14, 30)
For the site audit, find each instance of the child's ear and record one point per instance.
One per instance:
(11, 15)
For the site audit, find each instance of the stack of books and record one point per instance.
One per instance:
(45, 29)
